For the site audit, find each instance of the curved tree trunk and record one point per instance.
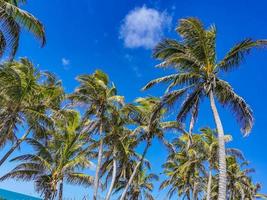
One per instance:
(99, 160)
(135, 171)
(191, 126)
(194, 195)
(188, 196)
(60, 194)
(14, 147)
(221, 153)
(114, 173)
(53, 195)
(209, 186)
(231, 195)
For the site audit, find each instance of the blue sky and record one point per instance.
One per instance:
(116, 36)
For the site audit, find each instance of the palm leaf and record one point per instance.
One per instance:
(227, 97)
(80, 179)
(236, 55)
(25, 20)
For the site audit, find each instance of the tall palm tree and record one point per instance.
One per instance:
(120, 148)
(25, 98)
(60, 160)
(14, 19)
(125, 159)
(99, 95)
(148, 117)
(122, 143)
(198, 75)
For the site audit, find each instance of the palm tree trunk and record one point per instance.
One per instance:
(99, 160)
(53, 195)
(14, 147)
(135, 171)
(114, 173)
(230, 195)
(191, 126)
(193, 118)
(209, 186)
(221, 153)
(194, 195)
(188, 195)
(60, 195)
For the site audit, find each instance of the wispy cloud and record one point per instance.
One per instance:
(65, 61)
(144, 27)
(173, 8)
(128, 57)
(137, 72)
(133, 67)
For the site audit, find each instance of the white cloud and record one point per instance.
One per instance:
(65, 61)
(144, 27)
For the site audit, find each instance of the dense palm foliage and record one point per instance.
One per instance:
(94, 131)
(198, 76)
(190, 177)
(56, 160)
(100, 97)
(13, 19)
(141, 187)
(26, 95)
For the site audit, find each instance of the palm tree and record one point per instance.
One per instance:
(125, 159)
(13, 20)
(148, 117)
(210, 145)
(25, 97)
(142, 186)
(60, 160)
(185, 167)
(192, 169)
(240, 185)
(122, 143)
(198, 76)
(99, 95)
(120, 148)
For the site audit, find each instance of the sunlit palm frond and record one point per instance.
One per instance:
(237, 54)
(227, 97)
(80, 179)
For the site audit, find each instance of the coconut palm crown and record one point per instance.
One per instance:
(60, 160)
(198, 76)
(194, 59)
(99, 95)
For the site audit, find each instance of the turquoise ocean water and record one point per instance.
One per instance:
(8, 195)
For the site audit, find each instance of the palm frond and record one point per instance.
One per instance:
(236, 55)
(25, 20)
(227, 97)
(189, 104)
(80, 179)
(164, 79)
